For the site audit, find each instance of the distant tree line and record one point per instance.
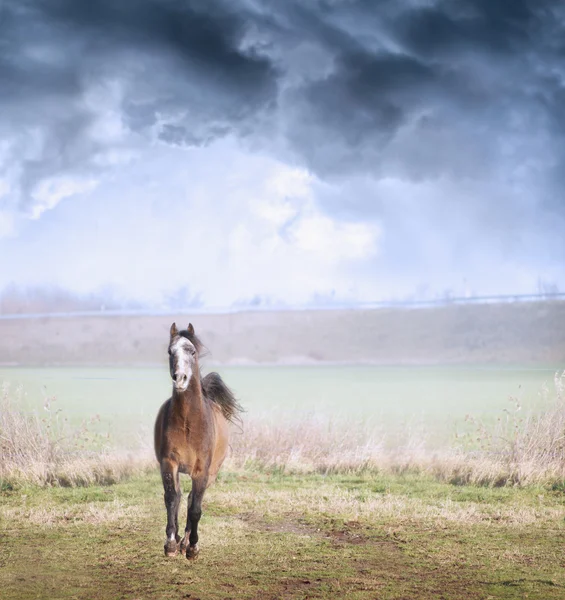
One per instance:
(16, 300)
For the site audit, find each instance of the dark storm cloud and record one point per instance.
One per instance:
(180, 67)
(467, 96)
(468, 91)
(464, 66)
(502, 26)
(200, 45)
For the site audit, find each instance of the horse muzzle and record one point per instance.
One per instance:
(180, 382)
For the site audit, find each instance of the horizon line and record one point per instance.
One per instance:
(212, 310)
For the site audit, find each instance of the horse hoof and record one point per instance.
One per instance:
(171, 548)
(183, 546)
(192, 552)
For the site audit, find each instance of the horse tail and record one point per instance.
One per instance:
(217, 391)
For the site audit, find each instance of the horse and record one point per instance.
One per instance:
(191, 435)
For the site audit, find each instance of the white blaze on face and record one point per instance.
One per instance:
(183, 353)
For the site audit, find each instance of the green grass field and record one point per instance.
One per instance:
(271, 536)
(126, 398)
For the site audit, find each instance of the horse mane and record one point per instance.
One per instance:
(193, 339)
(218, 392)
(213, 385)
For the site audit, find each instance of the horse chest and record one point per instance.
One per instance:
(189, 450)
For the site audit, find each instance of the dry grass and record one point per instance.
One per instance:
(92, 513)
(46, 450)
(354, 505)
(105, 469)
(516, 450)
(519, 448)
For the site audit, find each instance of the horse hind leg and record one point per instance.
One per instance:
(171, 485)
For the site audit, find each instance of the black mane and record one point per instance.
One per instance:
(213, 386)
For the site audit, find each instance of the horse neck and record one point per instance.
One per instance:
(191, 400)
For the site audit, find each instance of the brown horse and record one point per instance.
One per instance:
(191, 435)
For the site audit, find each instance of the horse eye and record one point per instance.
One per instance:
(169, 351)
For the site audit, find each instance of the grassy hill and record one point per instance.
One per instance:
(520, 333)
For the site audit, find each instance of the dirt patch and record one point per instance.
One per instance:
(376, 563)
(338, 534)
(352, 532)
(293, 588)
(288, 525)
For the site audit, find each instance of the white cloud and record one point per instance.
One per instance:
(232, 225)
(228, 224)
(49, 192)
(335, 241)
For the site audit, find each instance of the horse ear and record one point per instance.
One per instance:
(190, 329)
(174, 330)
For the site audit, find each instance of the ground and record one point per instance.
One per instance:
(271, 535)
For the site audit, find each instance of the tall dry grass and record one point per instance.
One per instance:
(520, 447)
(44, 449)
(517, 449)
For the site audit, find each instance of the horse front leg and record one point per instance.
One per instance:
(194, 513)
(171, 485)
(184, 542)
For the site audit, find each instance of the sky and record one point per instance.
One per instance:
(267, 153)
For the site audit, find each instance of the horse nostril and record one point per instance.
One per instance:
(175, 377)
